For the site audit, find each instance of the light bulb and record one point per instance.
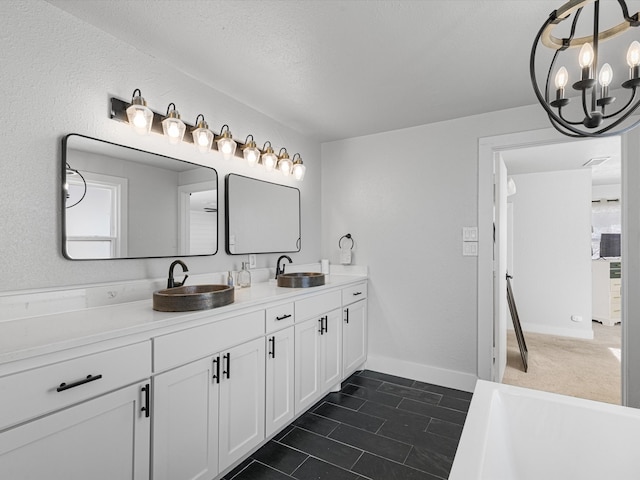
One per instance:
(202, 139)
(140, 117)
(285, 166)
(298, 171)
(606, 75)
(562, 78)
(251, 155)
(269, 161)
(139, 121)
(633, 54)
(585, 58)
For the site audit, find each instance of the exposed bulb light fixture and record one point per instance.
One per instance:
(284, 162)
(269, 157)
(144, 120)
(202, 136)
(172, 126)
(72, 172)
(298, 167)
(250, 151)
(226, 143)
(590, 116)
(140, 116)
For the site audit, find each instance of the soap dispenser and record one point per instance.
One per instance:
(244, 276)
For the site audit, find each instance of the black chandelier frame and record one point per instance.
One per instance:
(594, 116)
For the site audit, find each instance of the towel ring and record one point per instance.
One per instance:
(348, 236)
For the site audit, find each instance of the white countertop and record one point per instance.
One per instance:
(29, 337)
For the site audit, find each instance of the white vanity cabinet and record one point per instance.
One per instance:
(354, 328)
(318, 348)
(280, 353)
(208, 413)
(84, 418)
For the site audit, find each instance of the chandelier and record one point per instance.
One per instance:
(599, 114)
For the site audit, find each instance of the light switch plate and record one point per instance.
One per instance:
(470, 249)
(469, 234)
(252, 261)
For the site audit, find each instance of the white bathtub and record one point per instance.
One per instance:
(514, 433)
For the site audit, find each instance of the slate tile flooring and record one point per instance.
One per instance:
(378, 427)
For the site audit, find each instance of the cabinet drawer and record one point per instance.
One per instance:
(279, 317)
(35, 392)
(181, 347)
(313, 306)
(354, 293)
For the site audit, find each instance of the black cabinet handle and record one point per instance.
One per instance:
(66, 386)
(283, 317)
(227, 372)
(346, 315)
(323, 325)
(146, 409)
(355, 294)
(216, 369)
(272, 352)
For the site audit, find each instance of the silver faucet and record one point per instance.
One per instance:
(280, 270)
(171, 282)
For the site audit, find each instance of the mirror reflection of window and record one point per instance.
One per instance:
(94, 226)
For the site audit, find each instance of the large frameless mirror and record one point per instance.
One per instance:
(261, 217)
(120, 202)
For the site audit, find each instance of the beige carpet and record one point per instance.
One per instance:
(580, 368)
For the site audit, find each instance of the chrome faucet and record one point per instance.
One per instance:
(280, 270)
(171, 282)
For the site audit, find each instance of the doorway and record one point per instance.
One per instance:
(563, 197)
(490, 347)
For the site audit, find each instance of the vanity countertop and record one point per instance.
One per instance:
(30, 337)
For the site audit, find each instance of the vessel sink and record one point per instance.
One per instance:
(301, 279)
(192, 297)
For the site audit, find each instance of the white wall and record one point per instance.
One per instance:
(405, 196)
(552, 252)
(57, 76)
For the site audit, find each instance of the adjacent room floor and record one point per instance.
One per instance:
(378, 427)
(581, 368)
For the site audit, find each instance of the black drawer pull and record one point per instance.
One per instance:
(146, 389)
(346, 315)
(227, 372)
(216, 369)
(66, 386)
(355, 294)
(283, 317)
(272, 352)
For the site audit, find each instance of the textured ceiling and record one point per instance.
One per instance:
(334, 69)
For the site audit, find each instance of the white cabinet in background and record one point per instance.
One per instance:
(354, 337)
(279, 380)
(106, 438)
(185, 422)
(318, 358)
(208, 413)
(242, 386)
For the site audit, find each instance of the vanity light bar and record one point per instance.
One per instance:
(119, 113)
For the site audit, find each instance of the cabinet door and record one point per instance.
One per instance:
(106, 438)
(241, 401)
(331, 351)
(185, 422)
(279, 387)
(307, 364)
(354, 337)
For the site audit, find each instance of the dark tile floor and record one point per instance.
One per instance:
(378, 427)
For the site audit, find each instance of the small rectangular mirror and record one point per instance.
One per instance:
(120, 202)
(261, 217)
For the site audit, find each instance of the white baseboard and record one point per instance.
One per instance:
(422, 373)
(559, 331)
